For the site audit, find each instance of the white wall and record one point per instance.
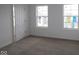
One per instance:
(5, 25)
(22, 21)
(55, 24)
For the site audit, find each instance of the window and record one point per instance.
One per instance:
(42, 16)
(71, 16)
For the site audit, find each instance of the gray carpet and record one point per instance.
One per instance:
(42, 46)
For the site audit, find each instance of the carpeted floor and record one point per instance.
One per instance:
(42, 46)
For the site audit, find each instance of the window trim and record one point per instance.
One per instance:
(70, 16)
(38, 16)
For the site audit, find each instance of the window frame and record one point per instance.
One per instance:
(36, 10)
(70, 16)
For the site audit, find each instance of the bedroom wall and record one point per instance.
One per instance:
(5, 25)
(22, 21)
(55, 24)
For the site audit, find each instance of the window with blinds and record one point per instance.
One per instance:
(42, 16)
(71, 16)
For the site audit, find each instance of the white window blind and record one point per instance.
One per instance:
(42, 16)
